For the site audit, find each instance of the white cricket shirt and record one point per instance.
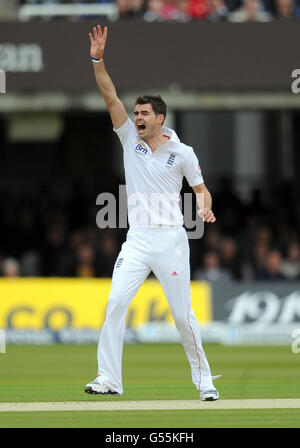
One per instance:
(154, 179)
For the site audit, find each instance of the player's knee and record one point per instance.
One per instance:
(180, 321)
(116, 304)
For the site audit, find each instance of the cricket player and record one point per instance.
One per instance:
(155, 162)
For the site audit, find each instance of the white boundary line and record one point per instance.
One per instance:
(289, 403)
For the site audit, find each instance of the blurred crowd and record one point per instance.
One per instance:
(53, 232)
(256, 240)
(186, 10)
(210, 10)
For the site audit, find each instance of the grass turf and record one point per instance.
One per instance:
(150, 372)
(255, 418)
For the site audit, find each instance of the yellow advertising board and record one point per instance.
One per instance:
(40, 303)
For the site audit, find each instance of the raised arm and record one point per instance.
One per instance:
(114, 104)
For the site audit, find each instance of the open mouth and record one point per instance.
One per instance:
(141, 127)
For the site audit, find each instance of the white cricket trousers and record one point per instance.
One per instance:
(164, 251)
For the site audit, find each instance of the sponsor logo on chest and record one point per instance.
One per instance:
(140, 149)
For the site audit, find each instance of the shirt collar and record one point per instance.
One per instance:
(170, 133)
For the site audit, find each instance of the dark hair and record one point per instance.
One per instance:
(157, 103)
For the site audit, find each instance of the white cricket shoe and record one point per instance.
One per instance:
(97, 387)
(209, 395)
(216, 377)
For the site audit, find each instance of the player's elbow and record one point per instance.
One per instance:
(201, 188)
(110, 101)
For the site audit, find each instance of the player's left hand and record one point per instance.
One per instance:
(207, 215)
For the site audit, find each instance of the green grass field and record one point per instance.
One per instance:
(150, 372)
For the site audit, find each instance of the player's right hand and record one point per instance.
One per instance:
(98, 40)
(207, 215)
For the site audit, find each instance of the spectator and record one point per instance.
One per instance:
(218, 10)
(10, 268)
(212, 239)
(84, 262)
(45, 228)
(182, 14)
(170, 10)
(198, 9)
(131, 8)
(290, 267)
(229, 258)
(258, 260)
(285, 9)
(251, 11)
(136, 8)
(124, 8)
(263, 236)
(272, 268)
(154, 12)
(30, 264)
(212, 272)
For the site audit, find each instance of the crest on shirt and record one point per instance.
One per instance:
(170, 161)
(119, 262)
(140, 149)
